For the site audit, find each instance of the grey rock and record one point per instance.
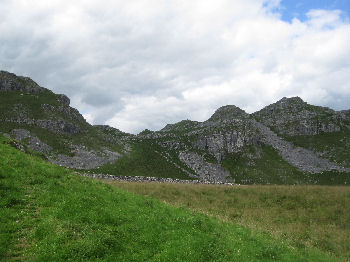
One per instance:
(152, 179)
(69, 112)
(219, 144)
(59, 126)
(303, 159)
(63, 99)
(228, 112)
(11, 82)
(33, 142)
(206, 171)
(85, 159)
(293, 116)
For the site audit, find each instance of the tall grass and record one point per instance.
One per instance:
(306, 216)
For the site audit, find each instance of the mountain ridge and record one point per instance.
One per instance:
(231, 146)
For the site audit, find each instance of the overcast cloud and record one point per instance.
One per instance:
(141, 64)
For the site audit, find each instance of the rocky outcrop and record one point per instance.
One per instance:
(11, 82)
(69, 112)
(293, 116)
(206, 171)
(63, 99)
(85, 159)
(303, 159)
(55, 126)
(344, 115)
(219, 144)
(33, 142)
(59, 126)
(228, 112)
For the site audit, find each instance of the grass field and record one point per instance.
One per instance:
(305, 216)
(47, 213)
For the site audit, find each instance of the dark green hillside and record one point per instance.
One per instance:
(145, 159)
(263, 165)
(50, 214)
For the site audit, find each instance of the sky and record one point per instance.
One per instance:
(142, 64)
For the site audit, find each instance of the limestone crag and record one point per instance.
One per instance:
(33, 143)
(206, 171)
(293, 116)
(219, 144)
(228, 112)
(85, 159)
(70, 112)
(56, 126)
(11, 82)
(63, 99)
(59, 126)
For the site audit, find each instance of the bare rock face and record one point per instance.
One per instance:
(34, 142)
(63, 99)
(293, 116)
(219, 144)
(11, 82)
(344, 115)
(59, 126)
(206, 171)
(69, 112)
(305, 160)
(85, 159)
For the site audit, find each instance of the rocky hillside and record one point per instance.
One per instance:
(45, 123)
(287, 142)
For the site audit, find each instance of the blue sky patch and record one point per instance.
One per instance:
(298, 9)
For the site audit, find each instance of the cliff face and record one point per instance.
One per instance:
(289, 141)
(293, 116)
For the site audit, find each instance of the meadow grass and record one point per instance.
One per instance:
(305, 216)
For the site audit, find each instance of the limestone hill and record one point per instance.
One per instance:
(288, 142)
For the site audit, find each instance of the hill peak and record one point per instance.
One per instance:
(228, 112)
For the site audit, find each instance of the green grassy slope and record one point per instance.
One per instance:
(50, 214)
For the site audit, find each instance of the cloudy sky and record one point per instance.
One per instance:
(140, 64)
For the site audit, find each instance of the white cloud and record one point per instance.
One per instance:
(141, 64)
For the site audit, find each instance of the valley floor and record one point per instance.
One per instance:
(307, 216)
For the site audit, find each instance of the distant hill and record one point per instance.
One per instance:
(288, 142)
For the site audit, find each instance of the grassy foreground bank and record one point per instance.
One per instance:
(49, 214)
(306, 216)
